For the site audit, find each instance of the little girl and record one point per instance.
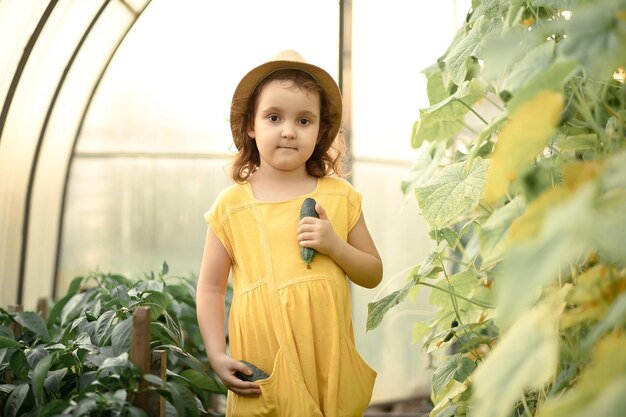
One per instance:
(288, 318)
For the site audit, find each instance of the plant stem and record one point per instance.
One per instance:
(469, 300)
(472, 110)
(588, 116)
(526, 409)
(452, 298)
(496, 105)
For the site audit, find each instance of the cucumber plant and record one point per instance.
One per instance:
(521, 176)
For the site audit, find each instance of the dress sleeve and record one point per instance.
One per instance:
(217, 218)
(354, 206)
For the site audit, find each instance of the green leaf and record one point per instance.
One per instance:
(33, 322)
(420, 330)
(462, 283)
(377, 309)
(19, 364)
(156, 300)
(578, 142)
(472, 45)
(552, 78)
(54, 408)
(444, 119)
(16, 400)
(7, 342)
(120, 337)
(200, 381)
(457, 367)
(54, 379)
(528, 266)
(121, 360)
(154, 380)
(183, 400)
(39, 376)
(614, 318)
(596, 35)
(70, 308)
(103, 326)
(525, 358)
(452, 192)
(501, 53)
(600, 389)
(493, 233)
(534, 62)
(426, 163)
(435, 88)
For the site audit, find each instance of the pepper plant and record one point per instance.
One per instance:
(76, 362)
(521, 176)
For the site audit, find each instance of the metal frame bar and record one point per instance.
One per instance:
(57, 261)
(28, 49)
(345, 74)
(35, 163)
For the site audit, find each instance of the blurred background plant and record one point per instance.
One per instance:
(521, 176)
(76, 362)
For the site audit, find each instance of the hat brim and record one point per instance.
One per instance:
(251, 80)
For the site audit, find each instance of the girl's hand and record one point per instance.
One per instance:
(317, 233)
(225, 368)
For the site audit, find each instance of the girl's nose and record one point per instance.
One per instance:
(288, 131)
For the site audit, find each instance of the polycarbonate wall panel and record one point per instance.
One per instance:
(128, 215)
(41, 126)
(18, 19)
(59, 140)
(170, 86)
(25, 118)
(388, 86)
(388, 91)
(401, 237)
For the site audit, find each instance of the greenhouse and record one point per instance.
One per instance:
(468, 261)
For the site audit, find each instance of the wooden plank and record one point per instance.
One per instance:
(16, 328)
(42, 307)
(158, 367)
(140, 352)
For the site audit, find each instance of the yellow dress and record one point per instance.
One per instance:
(292, 322)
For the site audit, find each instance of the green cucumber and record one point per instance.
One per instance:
(256, 373)
(308, 210)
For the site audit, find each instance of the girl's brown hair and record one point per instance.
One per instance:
(328, 158)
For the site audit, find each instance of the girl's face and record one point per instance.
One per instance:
(286, 126)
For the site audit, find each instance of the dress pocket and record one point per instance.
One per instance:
(281, 396)
(356, 382)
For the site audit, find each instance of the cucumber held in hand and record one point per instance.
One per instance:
(256, 373)
(308, 210)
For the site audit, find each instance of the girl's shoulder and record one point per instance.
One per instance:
(232, 197)
(338, 185)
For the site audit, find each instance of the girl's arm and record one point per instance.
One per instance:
(358, 256)
(210, 296)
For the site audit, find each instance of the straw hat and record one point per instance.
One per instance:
(288, 59)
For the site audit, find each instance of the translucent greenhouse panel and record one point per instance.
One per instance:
(18, 19)
(170, 85)
(24, 121)
(388, 87)
(59, 141)
(129, 215)
(401, 237)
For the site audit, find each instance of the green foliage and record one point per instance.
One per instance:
(521, 175)
(77, 361)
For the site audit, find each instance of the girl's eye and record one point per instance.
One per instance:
(304, 122)
(273, 117)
